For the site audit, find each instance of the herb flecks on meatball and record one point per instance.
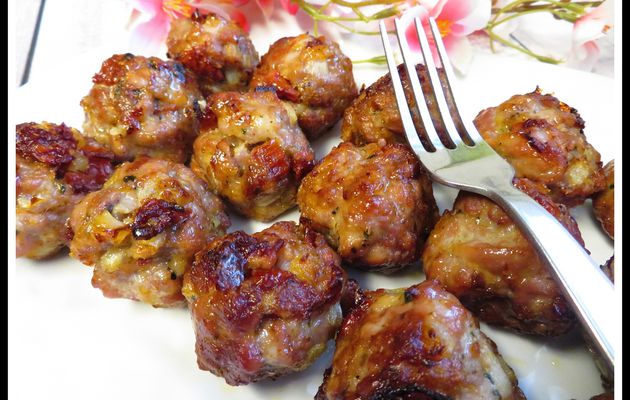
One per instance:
(143, 106)
(218, 51)
(478, 253)
(415, 343)
(143, 228)
(313, 75)
(252, 153)
(55, 167)
(604, 201)
(374, 204)
(264, 305)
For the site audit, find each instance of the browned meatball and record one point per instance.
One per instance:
(264, 305)
(374, 204)
(55, 167)
(478, 253)
(374, 114)
(609, 269)
(142, 106)
(312, 74)
(217, 50)
(416, 343)
(604, 201)
(143, 228)
(252, 153)
(543, 139)
(604, 396)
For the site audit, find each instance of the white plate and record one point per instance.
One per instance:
(70, 342)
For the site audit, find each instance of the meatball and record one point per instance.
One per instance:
(217, 50)
(374, 204)
(374, 114)
(252, 153)
(543, 139)
(143, 228)
(55, 168)
(264, 305)
(415, 343)
(142, 106)
(313, 75)
(604, 201)
(478, 253)
(609, 269)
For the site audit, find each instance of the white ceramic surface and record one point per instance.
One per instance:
(70, 342)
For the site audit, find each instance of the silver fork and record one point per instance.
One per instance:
(469, 163)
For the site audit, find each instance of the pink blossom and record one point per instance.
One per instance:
(291, 6)
(587, 31)
(456, 19)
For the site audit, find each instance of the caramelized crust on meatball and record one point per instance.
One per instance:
(313, 75)
(217, 50)
(142, 106)
(143, 228)
(264, 305)
(416, 343)
(374, 204)
(252, 153)
(55, 167)
(543, 139)
(604, 201)
(478, 253)
(604, 396)
(374, 114)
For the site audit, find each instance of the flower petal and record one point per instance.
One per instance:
(150, 35)
(152, 7)
(460, 53)
(266, 7)
(290, 6)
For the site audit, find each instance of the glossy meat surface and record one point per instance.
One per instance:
(418, 343)
(142, 106)
(543, 139)
(313, 75)
(604, 201)
(141, 231)
(374, 204)
(55, 168)
(218, 51)
(264, 305)
(478, 254)
(252, 153)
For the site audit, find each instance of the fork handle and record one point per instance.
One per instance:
(589, 291)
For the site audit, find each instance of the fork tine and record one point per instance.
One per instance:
(436, 84)
(470, 134)
(401, 100)
(418, 94)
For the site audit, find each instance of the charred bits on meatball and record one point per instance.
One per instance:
(374, 204)
(55, 167)
(143, 228)
(143, 106)
(604, 201)
(415, 343)
(313, 75)
(252, 153)
(264, 305)
(478, 253)
(543, 139)
(217, 50)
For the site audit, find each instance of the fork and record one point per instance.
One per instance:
(469, 163)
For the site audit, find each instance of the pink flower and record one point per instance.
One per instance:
(456, 19)
(152, 18)
(587, 31)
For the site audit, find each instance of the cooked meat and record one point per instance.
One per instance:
(55, 167)
(609, 268)
(264, 305)
(478, 253)
(252, 153)
(604, 201)
(142, 106)
(217, 50)
(313, 75)
(374, 114)
(418, 343)
(604, 396)
(543, 139)
(143, 228)
(374, 204)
